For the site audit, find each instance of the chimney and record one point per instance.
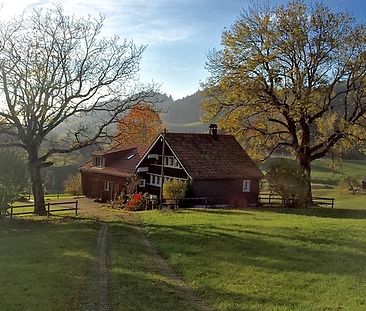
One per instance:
(213, 131)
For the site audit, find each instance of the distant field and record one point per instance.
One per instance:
(267, 260)
(326, 177)
(324, 174)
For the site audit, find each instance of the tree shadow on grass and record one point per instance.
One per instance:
(216, 257)
(312, 212)
(277, 252)
(322, 212)
(44, 263)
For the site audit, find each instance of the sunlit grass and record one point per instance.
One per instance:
(268, 260)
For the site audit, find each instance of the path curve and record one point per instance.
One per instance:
(183, 290)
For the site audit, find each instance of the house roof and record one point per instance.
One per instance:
(124, 165)
(204, 157)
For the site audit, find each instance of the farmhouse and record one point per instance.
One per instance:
(215, 166)
(105, 175)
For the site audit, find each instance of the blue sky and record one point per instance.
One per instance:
(178, 33)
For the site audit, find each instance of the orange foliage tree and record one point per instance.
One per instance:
(139, 127)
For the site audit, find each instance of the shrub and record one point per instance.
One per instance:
(348, 183)
(174, 189)
(72, 185)
(135, 203)
(13, 177)
(287, 179)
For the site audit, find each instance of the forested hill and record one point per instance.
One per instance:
(183, 115)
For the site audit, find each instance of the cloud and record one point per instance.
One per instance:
(145, 21)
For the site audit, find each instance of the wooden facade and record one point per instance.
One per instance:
(105, 175)
(216, 168)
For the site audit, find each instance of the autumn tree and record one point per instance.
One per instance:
(57, 71)
(290, 77)
(140, 126)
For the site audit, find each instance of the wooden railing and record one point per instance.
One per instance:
(275, 200)
(324, 201)
(12, 210)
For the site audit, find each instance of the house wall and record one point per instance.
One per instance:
(154, 167)
(93, 185)
(224, 191)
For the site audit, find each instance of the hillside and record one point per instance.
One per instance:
(184, 115)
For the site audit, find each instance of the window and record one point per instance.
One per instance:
(142, 183)
(246, 185)
(170, 161)
(155, 180)
(99, 161)
(108, 185)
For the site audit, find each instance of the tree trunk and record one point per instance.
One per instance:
(37, 185)
(305, 165)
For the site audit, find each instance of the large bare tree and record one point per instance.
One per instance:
(292, 77)
(57, 70)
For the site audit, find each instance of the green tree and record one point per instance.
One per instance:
(290, 77)
(57, 71)
(13, 177)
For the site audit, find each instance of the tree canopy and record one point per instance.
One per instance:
(141, 125)
(57, 70)
(293, 77)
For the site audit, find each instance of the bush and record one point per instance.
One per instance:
(13, 177)
(287, 179)
(72, 185)
(135, 203)
(349, 184)
(174, 189)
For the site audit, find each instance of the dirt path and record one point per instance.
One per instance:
(100, 288)
(182, 289)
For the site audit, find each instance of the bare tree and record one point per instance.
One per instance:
(55, 71)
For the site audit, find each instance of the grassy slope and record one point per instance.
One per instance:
(44, 265)
(322, 173)
(262, 260)
(135, 281)
(323, 176)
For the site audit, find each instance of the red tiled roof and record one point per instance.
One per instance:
(122, 166)
(207, 158)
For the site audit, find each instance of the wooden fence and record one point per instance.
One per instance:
(50, 208)
(275, 200)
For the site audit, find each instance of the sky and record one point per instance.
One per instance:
(178, 33)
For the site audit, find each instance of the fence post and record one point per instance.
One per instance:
(76, 207)
(48, 209)
(11, 212)
(332, 202)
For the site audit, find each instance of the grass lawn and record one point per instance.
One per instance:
(322, 173)
(267, 260)
(44, 263)
(135, 281)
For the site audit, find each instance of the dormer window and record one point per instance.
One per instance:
(99, 162)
